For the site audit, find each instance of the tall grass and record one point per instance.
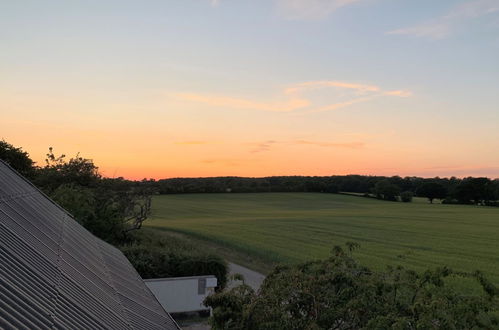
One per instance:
(294, 227)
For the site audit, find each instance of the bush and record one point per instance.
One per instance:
(154, 256)
(229, 307)
(386, 190)
(17, 158)
(338, 293)
(406, 196)
(450, 200)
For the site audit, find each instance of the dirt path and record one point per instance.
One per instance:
(252, 278)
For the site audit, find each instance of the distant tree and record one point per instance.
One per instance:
(495, 185)
(432, 190)
(315, 185)
(406, 196)
(475, 190)
(332, 188)
(17, 158)
(386, 190)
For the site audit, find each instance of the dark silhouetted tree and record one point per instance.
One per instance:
(432, 190)
(475, 190)
(17, 158)
(386, 190)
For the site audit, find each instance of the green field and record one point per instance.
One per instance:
(292, 227)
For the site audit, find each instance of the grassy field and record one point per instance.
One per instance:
(293, 227)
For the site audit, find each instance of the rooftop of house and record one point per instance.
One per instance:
(54, 274)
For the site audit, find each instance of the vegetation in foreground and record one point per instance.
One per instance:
(338, 293)
(156, 256)
(108, 208)
(297, 227)
(114, 210)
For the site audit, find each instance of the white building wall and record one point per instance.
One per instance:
(182, 294)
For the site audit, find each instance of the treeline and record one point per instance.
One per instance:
(82, 172)
(469, 190)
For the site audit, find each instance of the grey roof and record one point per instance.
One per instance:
(54, 274)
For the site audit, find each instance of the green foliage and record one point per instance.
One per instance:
(108, 208)
(58, 171)
(77, 200)
(406, 196)
(432, 190)
(154, 256)
(386, 190)
(17, 158)
(475, 190)
(229, 307)
(339, 293)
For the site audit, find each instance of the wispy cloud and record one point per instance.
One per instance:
(224, 161)
(310, 9)
(339, 105)
(267, 145)
(347, 145)
(294, 101)
(400, 93)
(431, 30)
(326, 83)
(192, 142)
(240, 103)
(305, 9)
(443, 26)
(366, 91)
(262, 146)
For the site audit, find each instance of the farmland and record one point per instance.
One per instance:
(294, 227)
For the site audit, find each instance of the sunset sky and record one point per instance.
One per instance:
(188, 88)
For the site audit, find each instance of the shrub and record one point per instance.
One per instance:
(338, 293)
(229, 307)
(154, 256)
(406, 196)
(450, 200)
(17, 158)
(386, 190)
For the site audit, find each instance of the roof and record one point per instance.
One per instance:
(54, 274)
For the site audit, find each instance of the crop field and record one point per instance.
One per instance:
(293, 227)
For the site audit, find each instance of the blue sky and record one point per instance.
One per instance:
(255, 87)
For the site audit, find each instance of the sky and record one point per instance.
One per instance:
(195, 88)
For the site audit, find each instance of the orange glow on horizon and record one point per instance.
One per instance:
(254, 88)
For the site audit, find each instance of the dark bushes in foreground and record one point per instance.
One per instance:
(338, 293)
(155, 256)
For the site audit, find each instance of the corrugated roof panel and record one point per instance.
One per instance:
(54, 274)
